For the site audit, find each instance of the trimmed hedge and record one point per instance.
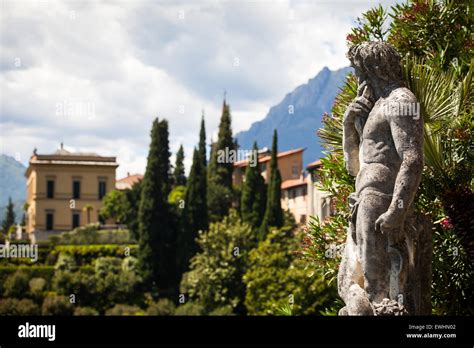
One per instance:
(43, 252)
(91, 235)
(86, 254)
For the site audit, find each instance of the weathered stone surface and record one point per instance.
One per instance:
(387, 245)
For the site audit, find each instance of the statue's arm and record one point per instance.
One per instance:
(407, 133)
(350, 142)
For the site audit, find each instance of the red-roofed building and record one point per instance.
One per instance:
(290, 164)
(295, 186)
(128, 181)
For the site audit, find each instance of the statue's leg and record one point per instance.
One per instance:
(351, 280)
(350, 271)
(375, 260)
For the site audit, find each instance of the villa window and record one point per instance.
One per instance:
(49, 221)
(76, 189)
(50, 189)
(102, 189)
(76, 220)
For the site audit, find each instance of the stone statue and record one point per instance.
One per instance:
(383, 148)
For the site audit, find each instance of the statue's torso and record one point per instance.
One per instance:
(378, 157)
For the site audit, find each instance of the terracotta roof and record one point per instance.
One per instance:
(269, 157)
(128, 181)
(292, 183)
(314, 164)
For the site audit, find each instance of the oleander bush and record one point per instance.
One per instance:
(434, 41)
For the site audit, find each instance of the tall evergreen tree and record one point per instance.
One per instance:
(194, 215)
(202, 142)
(225, 144)
(253, 201)
(9, 219)
(156, 224)
(203, 175)
(179, 178)
(220, 169)
(273, 213)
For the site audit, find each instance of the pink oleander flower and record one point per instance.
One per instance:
(446, 223)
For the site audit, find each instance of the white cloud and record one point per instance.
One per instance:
(95, 74)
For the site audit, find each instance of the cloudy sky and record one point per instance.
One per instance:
(95, 74)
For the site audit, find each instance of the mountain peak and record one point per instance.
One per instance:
(298, 116)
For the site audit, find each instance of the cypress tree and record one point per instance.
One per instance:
(253, 192)
(156, 224)
(202, 143)
(273, 213)
(203, 177)
(179, 178)
(195, 213)
(225, 144)
(220, 169)
(9, 217)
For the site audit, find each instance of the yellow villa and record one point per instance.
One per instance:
(65, 190)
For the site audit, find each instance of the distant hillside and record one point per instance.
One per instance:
(12, 184)
(298, 129)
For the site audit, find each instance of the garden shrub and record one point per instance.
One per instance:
(45, 272)
(13, 306)
(124, 310)
(57, 306)
(17, 284)
(85, 311)
(222, 311)
(277, 278)
(37, 286)
(190, 309)
(163, 306)
(65, 262)
(105, 283)
(215, 277)
(107, 265)
(81, 283)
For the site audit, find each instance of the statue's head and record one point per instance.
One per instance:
(376, 60)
